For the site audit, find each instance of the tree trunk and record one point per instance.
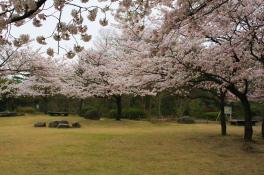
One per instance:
(119, 107)
(248, 131)
(262, 128)
(222, 114)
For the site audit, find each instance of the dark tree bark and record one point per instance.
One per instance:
(27, 13)
(222, 113)
(118, 99)
(248, 130)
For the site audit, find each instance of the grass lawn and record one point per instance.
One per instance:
(125, 148)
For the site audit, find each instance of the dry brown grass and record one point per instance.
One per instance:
(125, 148)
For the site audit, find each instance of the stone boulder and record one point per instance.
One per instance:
(63, 122)
(40, 124)
(54, 124)
(186, 120)
(76, 125)
(63, 125)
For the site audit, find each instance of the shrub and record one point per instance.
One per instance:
(29, 110)
(168, 105)
(113, 113)
(134, 113)
(186, 120)
(91, 113)
(257, 109)
(130, 113)
(205, 115)
(210, 115)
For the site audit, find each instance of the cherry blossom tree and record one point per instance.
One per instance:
(44, 80)
(163, 73)
(201, 64)
(106, 72)
(208, 41)
(14, 65)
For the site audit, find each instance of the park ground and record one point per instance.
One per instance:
(109, 147)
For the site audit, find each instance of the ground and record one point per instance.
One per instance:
(125, 148)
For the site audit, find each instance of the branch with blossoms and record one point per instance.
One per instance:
(19, 13)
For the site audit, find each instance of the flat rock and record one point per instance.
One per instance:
(54, 124)
(63, 125)
(76, 125)
(63, 122)
(40, 124)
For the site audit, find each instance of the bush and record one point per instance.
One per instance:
(168, 105)
(29, 110)
(186, 120)
(113, 113)
(133, 113)
(210, 115)
(205, 115)
(257, 109)
(130, 113)
(91, 113)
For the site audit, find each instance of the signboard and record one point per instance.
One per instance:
(228, 110)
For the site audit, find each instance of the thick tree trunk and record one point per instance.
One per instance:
(262, 128)
(248, 130)
(119, 107)
(222, 114)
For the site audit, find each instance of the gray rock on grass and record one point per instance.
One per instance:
(40, 124)
(63, 125)
(76, 125)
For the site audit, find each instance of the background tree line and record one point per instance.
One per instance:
(164, 105)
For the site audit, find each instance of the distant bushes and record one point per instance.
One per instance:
(91, 113)
(186, 120)
(206, 115)
(133, 113)
(130, 113)
(29, 110)
(210, 115)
